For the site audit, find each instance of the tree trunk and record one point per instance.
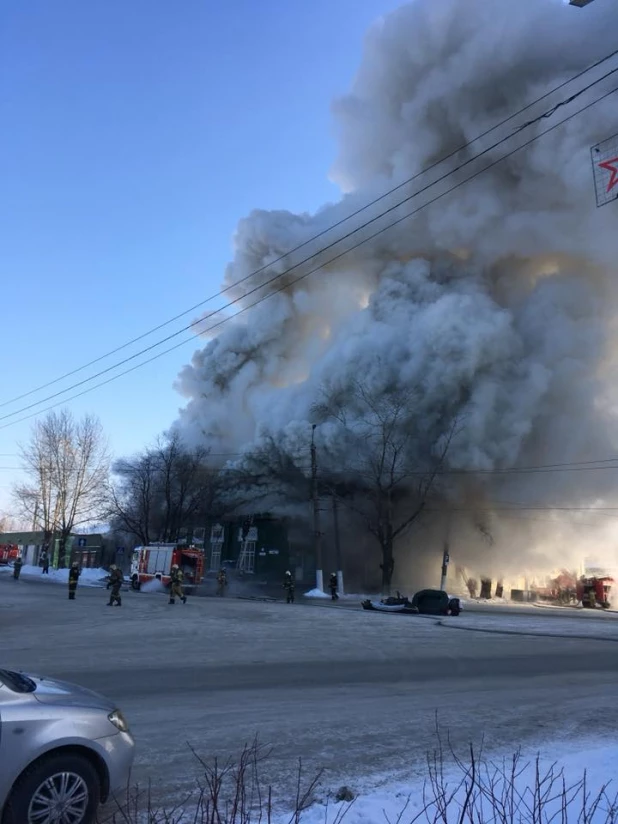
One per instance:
(62, 542)
(63, 560)
(388, 564)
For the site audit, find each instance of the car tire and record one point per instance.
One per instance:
(84, 777)
(136, 584)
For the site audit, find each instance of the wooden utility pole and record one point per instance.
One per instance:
(317, 532)
(338, 558)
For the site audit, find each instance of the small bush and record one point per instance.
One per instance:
(470, 790)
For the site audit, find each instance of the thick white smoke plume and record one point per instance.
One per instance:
(495, 304)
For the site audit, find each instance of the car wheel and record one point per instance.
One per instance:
(135, 584)
(57, 789)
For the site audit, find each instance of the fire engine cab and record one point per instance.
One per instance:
(154, 563)
(594, 592)
(8, 553)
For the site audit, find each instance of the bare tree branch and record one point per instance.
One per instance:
(67, 466)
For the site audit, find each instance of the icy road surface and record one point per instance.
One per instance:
(351, 691)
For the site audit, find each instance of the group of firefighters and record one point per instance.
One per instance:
(116, 579)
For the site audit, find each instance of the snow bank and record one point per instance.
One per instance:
(535, 788)
(88, 578)
(316, 593)
(389, 801)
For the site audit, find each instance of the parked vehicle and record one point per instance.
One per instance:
(63, 751)
(425, 602)
(154, 563)
(594, 592)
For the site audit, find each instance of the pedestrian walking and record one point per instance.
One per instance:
(288, 585)
(17, 565)
(176, 578)
(74, 573)
(333, 586)
(115, 582)
(44, 561)
(221, 582)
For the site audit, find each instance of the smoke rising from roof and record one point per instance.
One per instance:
(496, 303)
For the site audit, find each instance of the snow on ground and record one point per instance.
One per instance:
(509, 779)
(88, 578)
(536, 787)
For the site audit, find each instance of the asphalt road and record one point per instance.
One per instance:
(353, 692)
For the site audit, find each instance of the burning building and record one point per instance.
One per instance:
(491, 309)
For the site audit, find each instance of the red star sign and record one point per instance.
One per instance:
(612, 167)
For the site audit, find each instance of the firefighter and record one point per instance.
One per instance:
(176, 577)
(44, 561)
(221, 582)
(333, 586)
(74, 574)
(115, 582)
(288, 585)
(17, 565)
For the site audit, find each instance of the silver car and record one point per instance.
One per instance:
(63, 751)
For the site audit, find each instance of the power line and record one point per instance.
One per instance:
(306, 274)
(317, 236)
(569, 466)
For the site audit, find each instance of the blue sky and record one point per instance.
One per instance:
(134, 136)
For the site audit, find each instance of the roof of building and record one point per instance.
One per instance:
(36, 538)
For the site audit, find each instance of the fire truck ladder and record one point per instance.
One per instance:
(242, 558)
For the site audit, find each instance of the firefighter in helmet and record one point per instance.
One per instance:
(221, 582)
(288, 585)
(17, 565)
(333, 586)
(115, 582)
(74, 573)
(176, 578)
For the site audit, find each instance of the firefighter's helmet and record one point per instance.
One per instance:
(174, 566)
(113, 566)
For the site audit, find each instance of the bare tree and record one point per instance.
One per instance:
(163, 490)
(132, 497)
(8, 523)
(67, 466)
(267, 474)
(392, 464)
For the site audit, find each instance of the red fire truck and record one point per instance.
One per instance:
(594, 592)
(8, 553)
(154, 563)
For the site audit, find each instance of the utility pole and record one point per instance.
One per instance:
(317, 533)
(337, 547)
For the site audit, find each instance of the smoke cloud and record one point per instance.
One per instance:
(495, 304)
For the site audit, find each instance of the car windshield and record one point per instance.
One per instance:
(16, 682)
